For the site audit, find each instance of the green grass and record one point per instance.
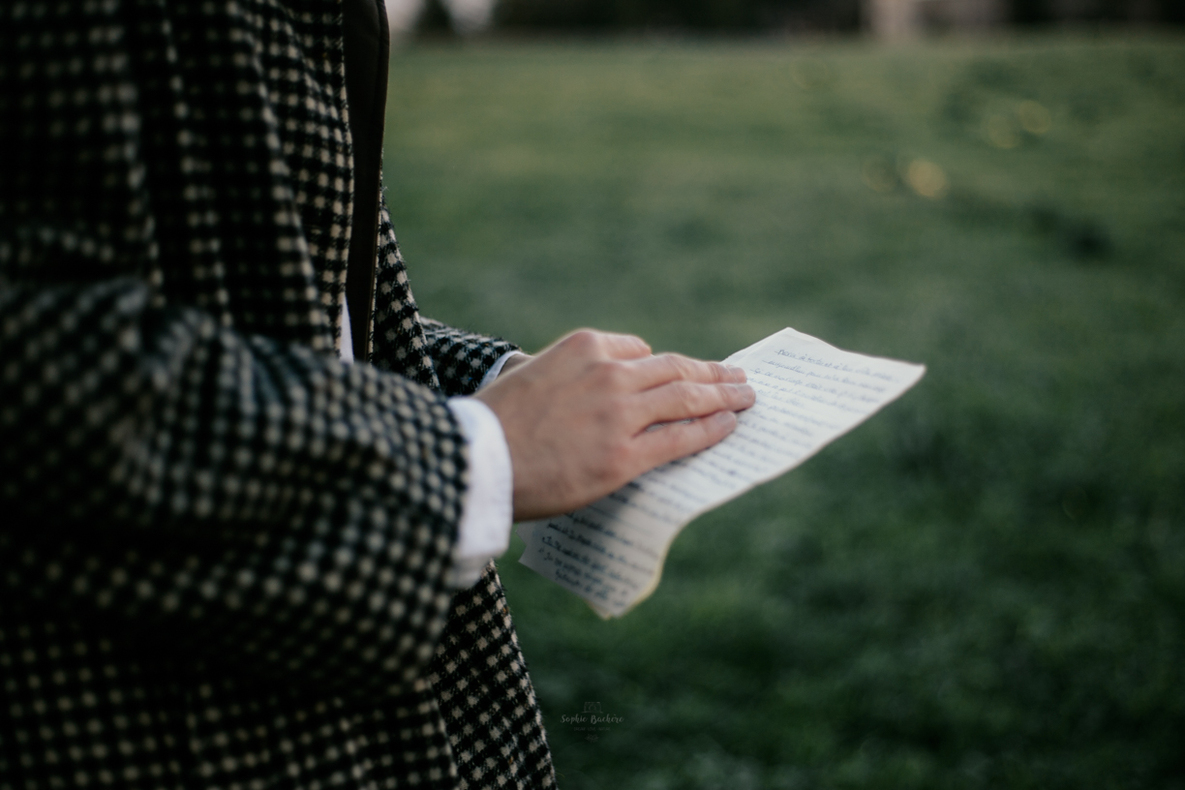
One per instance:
(982, 587)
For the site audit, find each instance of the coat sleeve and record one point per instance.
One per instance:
(170, 476)
(229, 495)
(461, 357)
(458, 359)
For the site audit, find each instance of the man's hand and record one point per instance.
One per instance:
(576, 416)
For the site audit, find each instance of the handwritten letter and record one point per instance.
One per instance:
(808, 394)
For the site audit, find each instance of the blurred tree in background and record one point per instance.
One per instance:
(892, 19)
(727, 15)
(1041, 12)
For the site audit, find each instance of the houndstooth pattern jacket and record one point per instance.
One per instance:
(223, 553)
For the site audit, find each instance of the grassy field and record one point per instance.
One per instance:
(982, 587)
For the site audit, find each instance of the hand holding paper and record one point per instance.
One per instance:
(575, 417)
(808, 394)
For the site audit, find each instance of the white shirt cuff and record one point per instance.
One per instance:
(346, 353)
(488, 512)
(496, 369)
(484, 531)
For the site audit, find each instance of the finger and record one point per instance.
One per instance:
(663, 368)
(682, 400)
(682, 439)
(590, 343)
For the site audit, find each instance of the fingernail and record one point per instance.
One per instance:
(725, 417)
(737, 373)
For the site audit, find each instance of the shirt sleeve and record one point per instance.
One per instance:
(488, 510)
(496, 369)
(487, 514)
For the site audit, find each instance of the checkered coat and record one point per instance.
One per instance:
(224, 554)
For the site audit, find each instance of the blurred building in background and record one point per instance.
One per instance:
(885, 19)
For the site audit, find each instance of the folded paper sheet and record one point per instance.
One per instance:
(808, 394)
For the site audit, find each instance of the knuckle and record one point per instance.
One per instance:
(693, 369)
(687, 439)
(584, 340)
(688, 396)
(610, 373)
(675, 363)
(638, 343)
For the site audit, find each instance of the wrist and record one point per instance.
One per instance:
(518, 359)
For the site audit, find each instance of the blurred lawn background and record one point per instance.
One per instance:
(984, 586)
